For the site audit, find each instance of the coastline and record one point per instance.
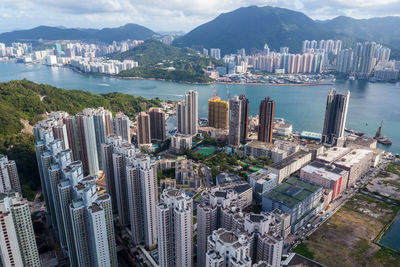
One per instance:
(183, 82)
(200, 83)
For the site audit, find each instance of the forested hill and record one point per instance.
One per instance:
(160, 61)
(253, 26)
(23, 101)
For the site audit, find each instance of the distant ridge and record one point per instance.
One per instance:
(252, 27)
(106, 35)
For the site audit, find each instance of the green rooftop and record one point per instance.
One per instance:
(292, 191)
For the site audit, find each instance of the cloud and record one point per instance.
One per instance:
(168, 14)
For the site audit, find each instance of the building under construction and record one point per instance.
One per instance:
(218, 113)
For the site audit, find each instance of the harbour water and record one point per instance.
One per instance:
(303, 106)
(391, 238)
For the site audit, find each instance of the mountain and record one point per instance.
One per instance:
(252, 27)
(160, 61)
(382, 30)
(106, 35)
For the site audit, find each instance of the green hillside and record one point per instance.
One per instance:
(252, 27)
(22, 100)
(156, 60)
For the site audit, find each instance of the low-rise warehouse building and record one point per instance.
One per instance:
(298, 198)
(357, 163)
(291, 164)
(326, 175)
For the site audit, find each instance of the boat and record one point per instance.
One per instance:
(352, 78)
(351, 131)
(384, 140)
(380, 138)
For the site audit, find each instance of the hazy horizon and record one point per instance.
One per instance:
(169, 15)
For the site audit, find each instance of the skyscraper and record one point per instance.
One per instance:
(141, 179)
(17, 243)
(335, 118)
(87, 218)
(47, 151)
(187, 114)
(215, 53)
(157, 124)
(367, 60)
(235, 119)
(107, 150)
(345, 61)
(218, 113)
(219, 209)
(244, 118)
(121, 126)
(82, 219)
(9, 180)
(143, 134)
(175, 233)
(102, 128)
(363, 59)
(266, 120)
(72, 136)
(87, 143)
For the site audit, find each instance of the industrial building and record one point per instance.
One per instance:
(299, 199)
(291, 164)
(326, 175)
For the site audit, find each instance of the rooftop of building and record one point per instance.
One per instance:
(155, 109)
(283, 125)
(228, 237)
(290, 159)
(326, 170)
(354, 157)
(173, 192)
(334, 154)
(310, 135)
(95, 207)
(313, 146)
(217, 99)
(261, 145)
(227, 178)
(361, 140)
(295, 259)
(103, 197)
(220, 194)
(241, 188)
(263, 174)
(256, 217)
(292, 191)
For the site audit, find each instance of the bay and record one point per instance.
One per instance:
(303, 106)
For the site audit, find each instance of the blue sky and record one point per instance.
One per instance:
(164, 15)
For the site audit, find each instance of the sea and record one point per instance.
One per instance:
(301, 105)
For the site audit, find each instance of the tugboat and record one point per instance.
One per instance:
(382, 139)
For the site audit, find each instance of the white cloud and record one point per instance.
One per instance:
(168, 14)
